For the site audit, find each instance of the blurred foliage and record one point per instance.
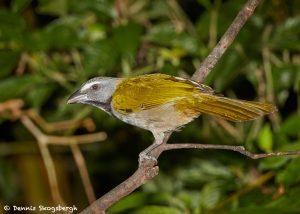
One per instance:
(49, 47)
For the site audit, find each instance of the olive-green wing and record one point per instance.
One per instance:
(149, 91)
(229, 109)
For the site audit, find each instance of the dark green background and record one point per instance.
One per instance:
(65, 42)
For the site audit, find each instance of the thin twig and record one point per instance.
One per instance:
(13, 106)
(48, 161)
(226, 40)
(148, 170)
(27, 118)
(72, 141)
(86, 123)
(22, 64)
(240, 149)
(81, 165)
(76, 139)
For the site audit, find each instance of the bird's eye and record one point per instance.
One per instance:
(95, 87)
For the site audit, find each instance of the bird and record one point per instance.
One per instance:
(161, 103)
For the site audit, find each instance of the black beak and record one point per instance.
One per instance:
(77, 97)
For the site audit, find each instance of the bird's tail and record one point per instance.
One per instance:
(230, 109)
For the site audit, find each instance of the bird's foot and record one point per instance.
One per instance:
(143, 156)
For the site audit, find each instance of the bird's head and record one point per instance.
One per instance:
(96, 92)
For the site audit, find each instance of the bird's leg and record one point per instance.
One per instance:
(160, 138)
(144, 155)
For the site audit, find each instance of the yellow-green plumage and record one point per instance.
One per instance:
(149, 91)
(226, 108)
(189, 98)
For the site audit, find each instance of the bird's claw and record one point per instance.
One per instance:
(143, 156)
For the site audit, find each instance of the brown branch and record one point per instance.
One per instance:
(81, 165)
(76, 139)
(86, 123)
(72, 141)
(240, 149)
(28, 117)
(208, 64)
(144, 173)
(48, 161)
(13, 106)
(148, 170)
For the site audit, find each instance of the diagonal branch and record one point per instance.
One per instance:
(148, 170)
(144, 173)
(208, 64)
(80, 162)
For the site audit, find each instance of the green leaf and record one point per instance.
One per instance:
(291, 174)
(210, 195)
(136, 199)
(62, 33)
(265, 139)
(206, 3)
(62, 36)
(96, 32)
(226, 69)
(286, 35)
(273, 162)
(18, 5)
(166, 198)
(15, 87)
(54, 7)
(40, 94)
(10, 20)
(189, 199)
(9, 60)
(100, 57)
(157, 210)
(36, 41)
(165, 34)
(102, 8)
(203, 170)
(255, 209)
(11, 26)
(291, 126)
(288, 203)
(277, 162)
(127, 39)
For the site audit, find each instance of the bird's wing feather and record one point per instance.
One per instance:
(149, 91)
(226, 108)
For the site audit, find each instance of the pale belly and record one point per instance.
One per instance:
(160, 119)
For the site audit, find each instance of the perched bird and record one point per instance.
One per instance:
(161, 103)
